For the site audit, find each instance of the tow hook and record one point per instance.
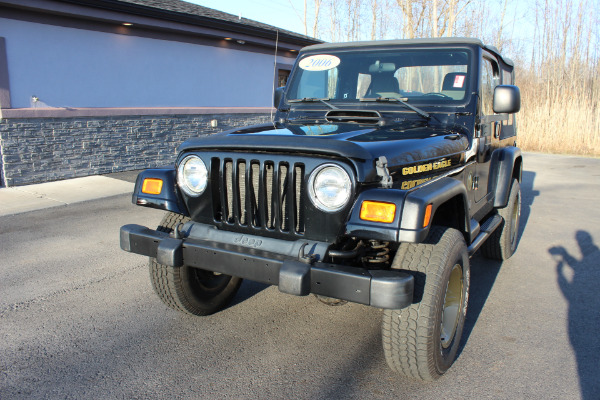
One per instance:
(177, 231)
(306, 258)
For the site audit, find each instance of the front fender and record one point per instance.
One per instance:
(168, 199)
(410, 211)
(437, 193)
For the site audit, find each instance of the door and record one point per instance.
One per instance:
(487, 127)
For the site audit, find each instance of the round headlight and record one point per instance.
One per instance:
(192, 175)
(330, 187)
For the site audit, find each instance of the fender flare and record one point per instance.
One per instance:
(506, 164)
(168, 199)
(437, 193)
(410, 211)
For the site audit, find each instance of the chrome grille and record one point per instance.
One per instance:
(259, 194)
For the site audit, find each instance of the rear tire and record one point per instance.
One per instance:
(190, 290)
(502, 243)
(421, 340)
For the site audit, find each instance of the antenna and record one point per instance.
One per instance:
(274, 77)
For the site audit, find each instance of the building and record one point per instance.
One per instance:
(98, 86)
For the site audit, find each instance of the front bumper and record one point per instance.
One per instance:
(294, 266)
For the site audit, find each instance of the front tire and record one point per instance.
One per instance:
(190, 290)
(421, 340)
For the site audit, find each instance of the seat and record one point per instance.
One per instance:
(454, 85)
(383, 85)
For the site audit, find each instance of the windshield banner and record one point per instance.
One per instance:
(320, 62)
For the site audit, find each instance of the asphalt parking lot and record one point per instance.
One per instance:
(79, 319)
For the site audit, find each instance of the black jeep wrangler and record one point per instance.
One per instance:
(387, 165)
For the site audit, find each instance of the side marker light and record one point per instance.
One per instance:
(152, 186)
(427, 218)
(377, 211)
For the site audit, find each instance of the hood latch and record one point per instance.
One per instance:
(383, 172)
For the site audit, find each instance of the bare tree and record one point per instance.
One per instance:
(499, 40)
(434, 18)
(454, 9)
(317, 4)
(374, 10)
(413, 17)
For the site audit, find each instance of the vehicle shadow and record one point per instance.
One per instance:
(247, 290)
(578, 279)
(484, 271)
(528, 195)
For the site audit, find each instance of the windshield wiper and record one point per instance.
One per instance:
(313, 100)
(395, 99)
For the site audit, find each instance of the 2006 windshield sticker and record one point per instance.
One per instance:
(320, 62)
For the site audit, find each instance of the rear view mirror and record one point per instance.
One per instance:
(507, 99)
(379, 67)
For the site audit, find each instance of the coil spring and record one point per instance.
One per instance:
(378, 252)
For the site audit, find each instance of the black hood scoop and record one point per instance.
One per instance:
(356, 116)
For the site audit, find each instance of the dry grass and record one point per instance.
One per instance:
(560, 85)
(568, 126)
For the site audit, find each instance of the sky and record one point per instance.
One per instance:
(285, 14)
(288, 14)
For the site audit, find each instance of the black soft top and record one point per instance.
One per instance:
(407, 42)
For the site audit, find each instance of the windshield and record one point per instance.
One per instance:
(417, 76)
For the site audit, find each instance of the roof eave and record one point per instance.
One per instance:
(136, 9)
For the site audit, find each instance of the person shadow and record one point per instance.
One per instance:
(578, 279)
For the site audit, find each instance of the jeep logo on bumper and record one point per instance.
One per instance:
(248, 242)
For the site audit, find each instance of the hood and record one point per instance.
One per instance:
(407, 144)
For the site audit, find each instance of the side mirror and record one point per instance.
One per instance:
(507, 99)
(277, 96)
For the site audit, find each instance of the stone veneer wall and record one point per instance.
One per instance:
(35, 150)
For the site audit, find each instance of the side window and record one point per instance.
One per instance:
(363, 83)
(316, 84)
(488, 83)
(282, 77)
(332, 83)
(508, 127)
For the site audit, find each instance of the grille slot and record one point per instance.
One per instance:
(259, 195)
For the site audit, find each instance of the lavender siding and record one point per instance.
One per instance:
(69, 67)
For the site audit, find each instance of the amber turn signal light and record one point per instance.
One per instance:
(377, 211)
(152, 186)
(427, 218)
